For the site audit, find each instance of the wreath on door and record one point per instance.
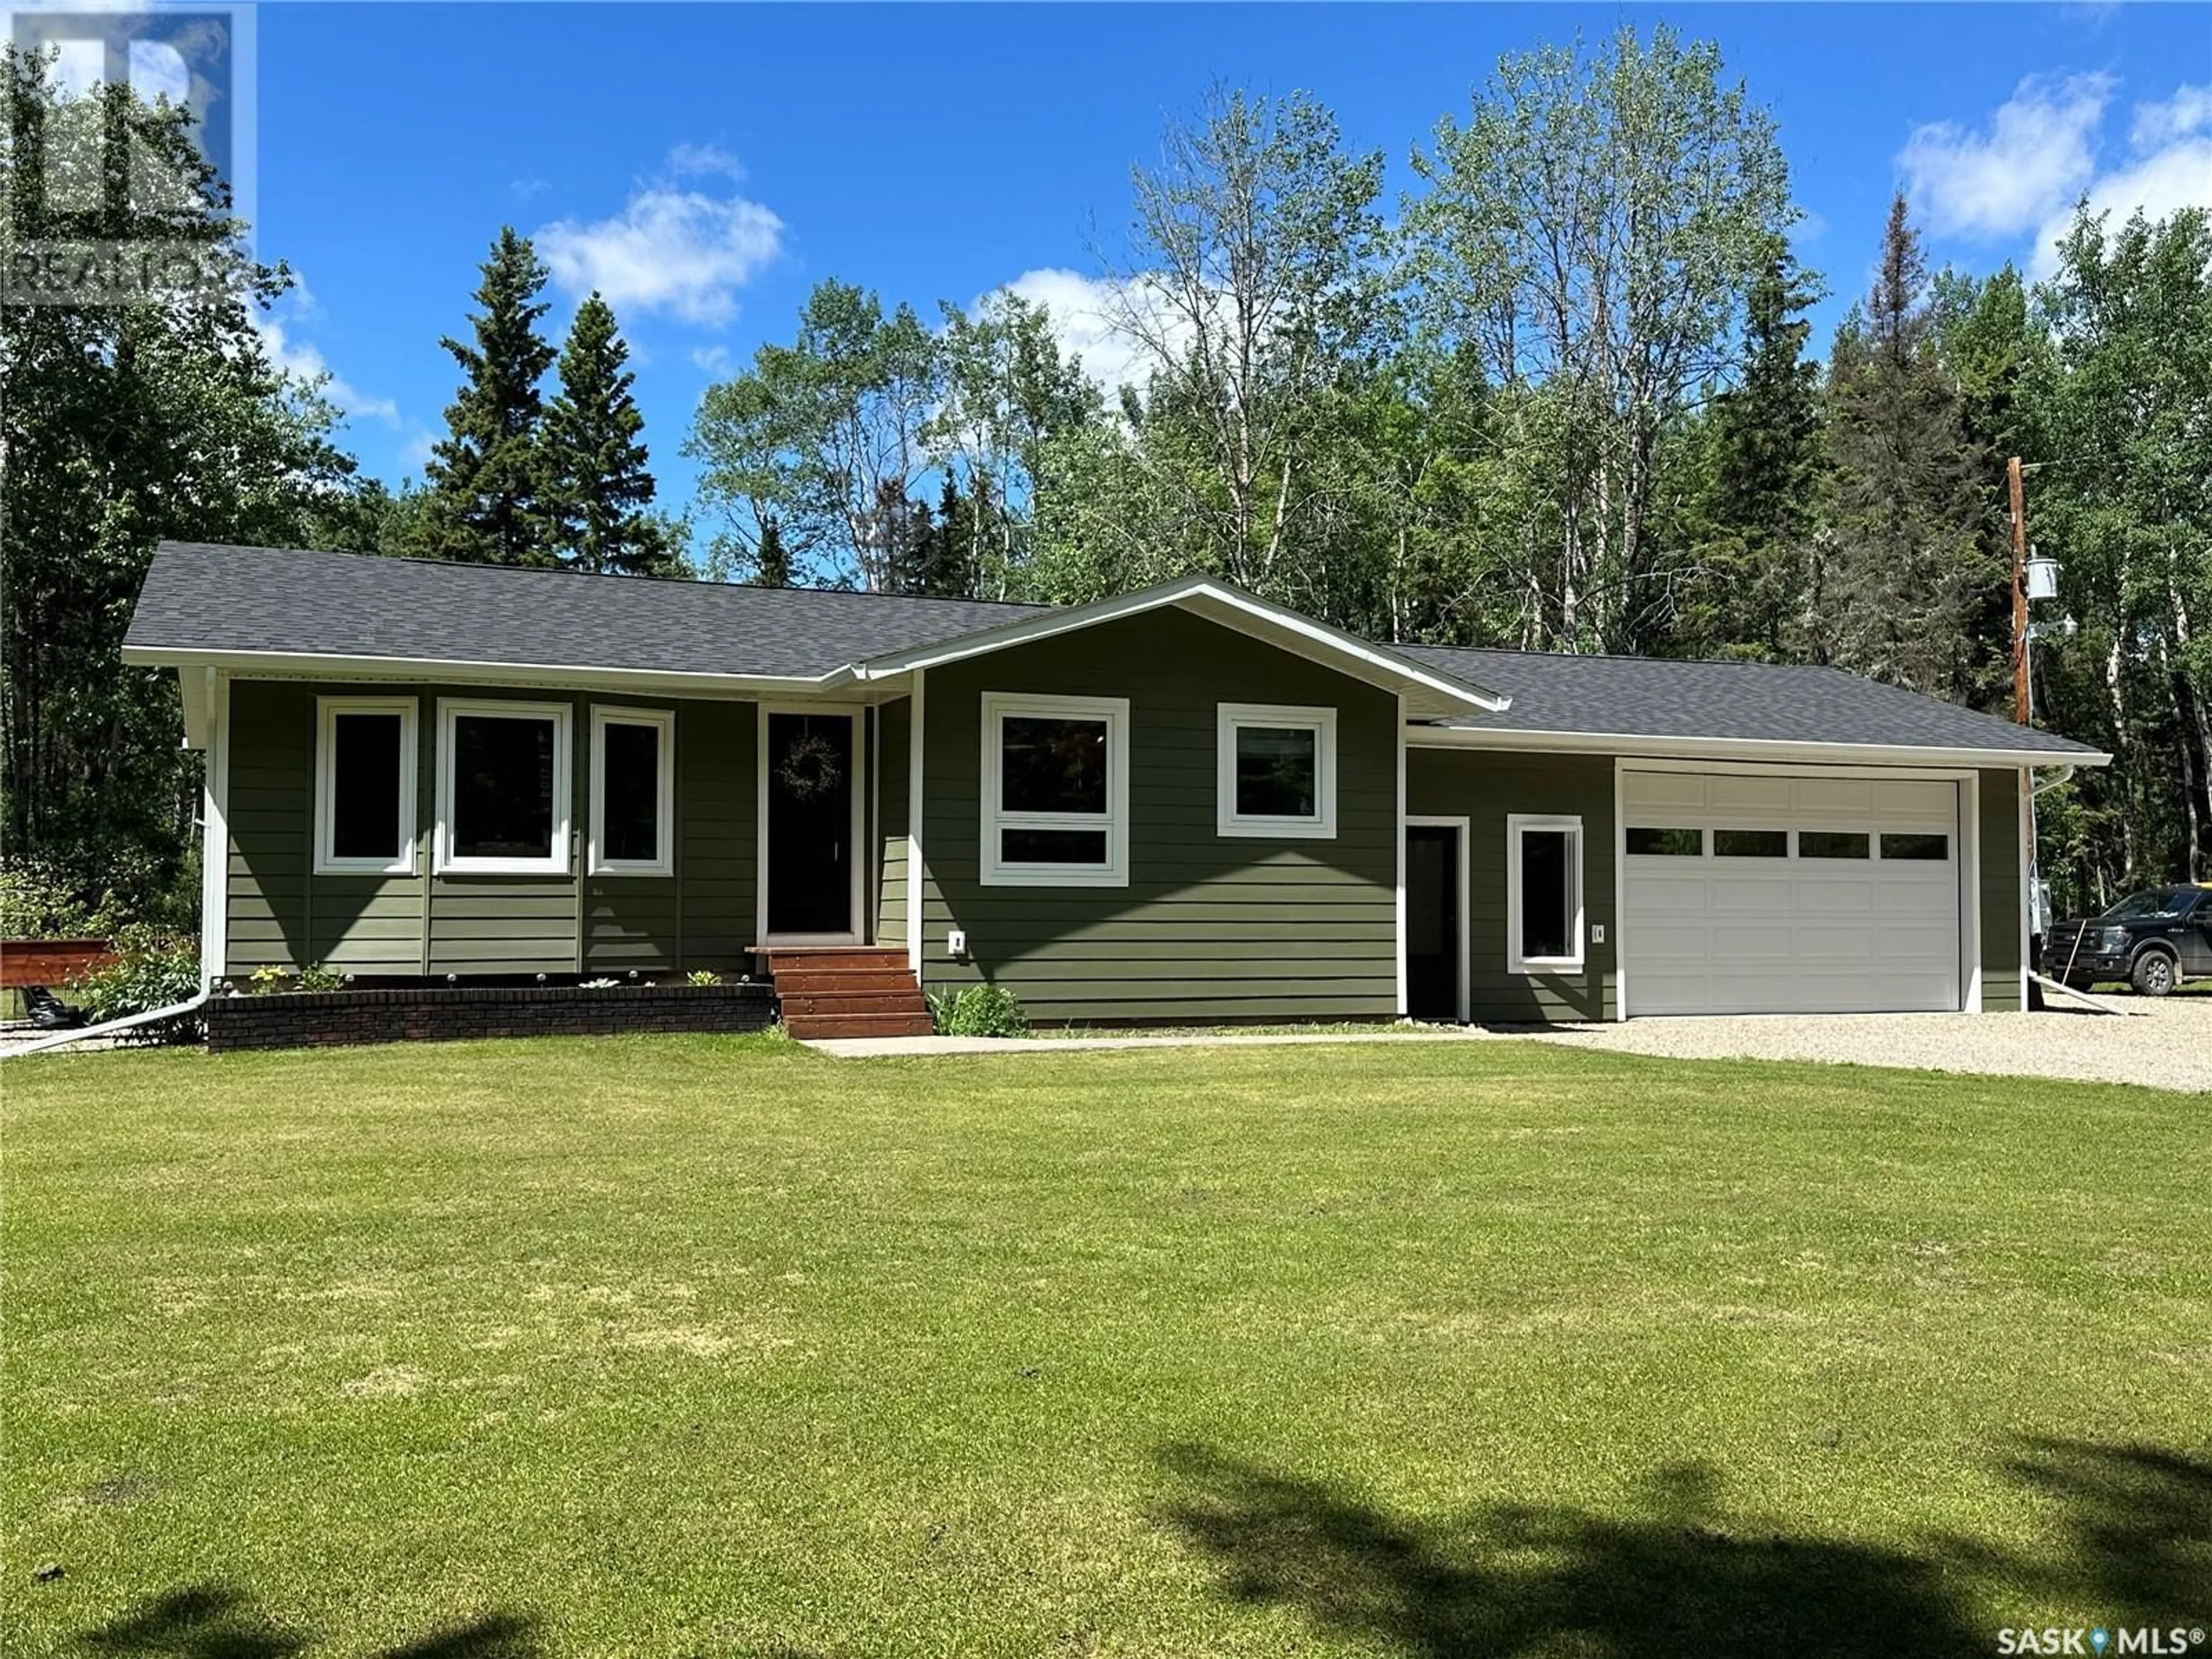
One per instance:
(810, 769)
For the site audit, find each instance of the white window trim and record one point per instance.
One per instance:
(663, 863)
(994, 871)
(1231, 717)
(559, 861)
(1515, 824)
(327, 709)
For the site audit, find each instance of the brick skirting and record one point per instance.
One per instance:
(292, 1019)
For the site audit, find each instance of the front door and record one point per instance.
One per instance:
(808, 854)
(1432, 901)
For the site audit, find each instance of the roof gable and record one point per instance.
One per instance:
(1429, 690)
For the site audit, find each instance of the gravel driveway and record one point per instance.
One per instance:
(2164, 1043)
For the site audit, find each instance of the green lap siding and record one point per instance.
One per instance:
(280, 913)
(1484, 788)
(1209, 927)
(2001, 891)
(894, 724)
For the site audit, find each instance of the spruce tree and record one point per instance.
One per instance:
(1748, 595)
(1906, 568)
(772, 561)
(598, 490)
(949, 571)
(486, 478)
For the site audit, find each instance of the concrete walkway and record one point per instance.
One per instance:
(2169, 1048)
(882, 1047)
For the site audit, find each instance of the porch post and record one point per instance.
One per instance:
(915, 742)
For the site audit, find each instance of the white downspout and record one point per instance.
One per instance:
(214, 878)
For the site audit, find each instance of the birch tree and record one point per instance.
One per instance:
(1593, 228)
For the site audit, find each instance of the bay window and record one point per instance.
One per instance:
(633, 791)
(502, 788)
(1055, 792)
(365, 786)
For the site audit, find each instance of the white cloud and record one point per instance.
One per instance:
(671, 249)
(1083, 311)
(713, 359)
(2168, 167)
(304, 360)
(2187, 113)
(2036, 154)
(690, 161)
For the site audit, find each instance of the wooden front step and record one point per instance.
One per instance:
(801, 981)
(808, 1028)
(855, 1002)
(846, 991)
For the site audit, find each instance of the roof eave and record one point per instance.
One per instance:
(1639, 745)
(308, 665)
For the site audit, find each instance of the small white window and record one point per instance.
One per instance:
(633, 791)
(1055, 792)
(1543, 894)
(1275, 770)
(365, 786)
(502, 788)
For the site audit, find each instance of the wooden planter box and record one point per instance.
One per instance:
(294, 1019)
(55, 962)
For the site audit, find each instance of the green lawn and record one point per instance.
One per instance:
(714, 1346)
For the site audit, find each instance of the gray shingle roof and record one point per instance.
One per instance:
(1660, 697)
(201, 597)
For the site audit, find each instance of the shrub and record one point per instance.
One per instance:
(151, 970)
(703, 976)
(266, 979)
(316, 977)
(37, 903)
(985, 1010)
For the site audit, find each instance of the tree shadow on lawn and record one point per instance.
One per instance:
(214, 1621)
(1680, 1577)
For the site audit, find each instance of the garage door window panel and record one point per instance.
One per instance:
(1544, 895)
(1918, 848)
(1751, 843)
(1834, 844)
(1646, 842)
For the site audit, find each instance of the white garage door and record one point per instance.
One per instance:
(1756, 894)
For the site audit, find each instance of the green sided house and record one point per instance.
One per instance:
(1182, 804)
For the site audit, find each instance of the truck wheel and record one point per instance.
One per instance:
(2153, 974)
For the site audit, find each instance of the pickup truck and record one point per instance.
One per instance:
(2154, 940)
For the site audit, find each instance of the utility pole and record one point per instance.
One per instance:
(2020, 692)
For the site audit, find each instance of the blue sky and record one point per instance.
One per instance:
(706, 165)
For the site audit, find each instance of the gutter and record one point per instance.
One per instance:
(2065, 776)
(62, 1039)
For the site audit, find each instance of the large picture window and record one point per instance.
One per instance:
(1543, 894)
(1275, 770)
(633, 791)
(1055, 792)
(365, 786)
(503, 788)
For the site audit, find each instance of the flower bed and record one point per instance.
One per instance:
(293, 1019)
